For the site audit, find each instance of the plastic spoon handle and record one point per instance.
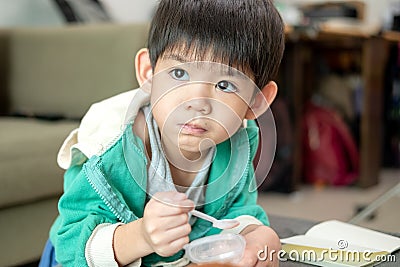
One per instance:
(203, 216)
(221, 224)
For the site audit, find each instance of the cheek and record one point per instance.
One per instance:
(229, 114)
(240, 106)
(167, 116)
(228, 127)
(164, 105)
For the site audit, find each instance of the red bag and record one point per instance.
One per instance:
(330, 155)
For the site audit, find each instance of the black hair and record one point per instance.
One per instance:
(246, 34)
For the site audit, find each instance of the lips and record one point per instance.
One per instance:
(192, 128)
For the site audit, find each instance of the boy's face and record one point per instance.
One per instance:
(198, 104)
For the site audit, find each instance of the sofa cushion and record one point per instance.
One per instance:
(24, 230)
(62, 71)
(28, 164)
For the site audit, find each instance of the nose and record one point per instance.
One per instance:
(199, 105)
(200, 99)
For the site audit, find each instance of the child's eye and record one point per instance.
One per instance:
(179, 74)
(226, 87)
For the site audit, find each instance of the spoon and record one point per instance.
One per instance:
(221, 224)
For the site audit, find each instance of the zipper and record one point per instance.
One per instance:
(97, 180)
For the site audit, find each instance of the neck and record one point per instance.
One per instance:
(184, 167)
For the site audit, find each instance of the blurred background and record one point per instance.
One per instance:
(337, 114)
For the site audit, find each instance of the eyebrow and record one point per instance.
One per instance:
(175, 57)
(231, 71)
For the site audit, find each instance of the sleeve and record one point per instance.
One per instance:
(80, 211)
(244, 221)
(99, 250)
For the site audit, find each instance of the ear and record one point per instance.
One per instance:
(262, 100)
(143, 69)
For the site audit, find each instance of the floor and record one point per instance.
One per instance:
(339, 203)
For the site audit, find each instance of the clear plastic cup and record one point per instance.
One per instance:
(216, 248)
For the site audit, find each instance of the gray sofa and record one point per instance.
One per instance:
(48, 79)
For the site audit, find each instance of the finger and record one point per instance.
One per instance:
(178, 244)
(262, 263)
(170, 197)
(266, 264)
(171, 222)
(161, 210)
(172, 247)
(166, 238)
(154, 224)
(184, 206)
(179, 232)
(248, 259)
(174, 200)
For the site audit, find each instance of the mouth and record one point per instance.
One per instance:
(192, 128)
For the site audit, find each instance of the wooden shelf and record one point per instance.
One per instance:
(300, 53)
(391, 36)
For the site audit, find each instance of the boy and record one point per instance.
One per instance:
(135, 169)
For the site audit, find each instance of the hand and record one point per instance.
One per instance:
(260, 237)
(165, 223)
